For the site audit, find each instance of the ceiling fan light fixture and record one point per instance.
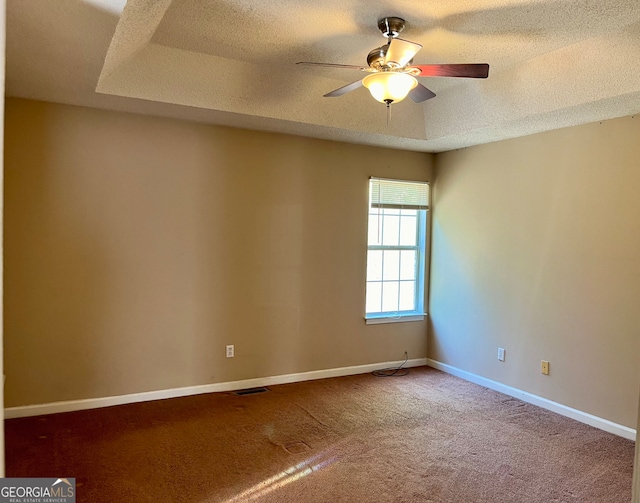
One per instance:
(389, 87)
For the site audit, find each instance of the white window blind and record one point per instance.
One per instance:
(399, 194)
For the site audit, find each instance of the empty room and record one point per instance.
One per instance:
(306, 251)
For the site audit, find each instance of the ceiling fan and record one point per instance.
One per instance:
(392, 76)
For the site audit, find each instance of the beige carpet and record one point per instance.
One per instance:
(425, 437)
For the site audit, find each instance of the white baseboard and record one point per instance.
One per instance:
(578, 415)
(95, 403)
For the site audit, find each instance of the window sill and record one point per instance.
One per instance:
(374, 320)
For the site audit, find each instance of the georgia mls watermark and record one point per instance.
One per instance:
(32, 490)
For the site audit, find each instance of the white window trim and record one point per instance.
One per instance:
(394, 319)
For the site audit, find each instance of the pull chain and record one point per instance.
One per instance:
(388, 112)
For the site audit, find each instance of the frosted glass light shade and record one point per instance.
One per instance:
(389, 87)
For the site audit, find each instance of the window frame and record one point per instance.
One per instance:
(418, 314)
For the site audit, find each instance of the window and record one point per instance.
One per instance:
(396, 250)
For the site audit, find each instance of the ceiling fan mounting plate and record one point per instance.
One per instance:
(391, 26)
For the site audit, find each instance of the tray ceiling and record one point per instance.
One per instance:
(554, 63)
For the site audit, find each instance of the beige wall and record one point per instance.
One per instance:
(138, 247)
(536, 248)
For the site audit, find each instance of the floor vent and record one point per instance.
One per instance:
(250, 391)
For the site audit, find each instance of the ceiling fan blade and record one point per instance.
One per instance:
(333, 65)
(473, 71)
(344, 89)
(421, 93)
(401, 51)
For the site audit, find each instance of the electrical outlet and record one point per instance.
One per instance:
(230, 351)
(501, 354)
(544, 368)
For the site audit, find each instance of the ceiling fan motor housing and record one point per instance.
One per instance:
(375, 59)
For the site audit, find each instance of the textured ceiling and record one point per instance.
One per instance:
(554, 63)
